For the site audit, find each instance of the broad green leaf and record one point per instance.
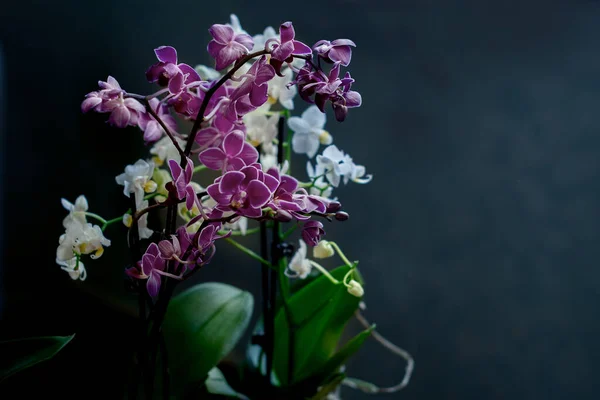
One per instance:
(217, 384)
(16, 355)
(333, 365)
(202, 325)
(320, 311)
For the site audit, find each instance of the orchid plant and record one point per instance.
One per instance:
(235, 116)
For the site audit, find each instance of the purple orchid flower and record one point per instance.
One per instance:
(345, 98)
(284, 50)
(337, 51)
(233, 154)
(181, 182)
(227, 47)
(242, 192)
(213, 135)
(151, 268)
(168, 73)
(312, 232)
(152, 129)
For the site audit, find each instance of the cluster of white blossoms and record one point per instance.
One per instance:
(301, 266)
(80, 237)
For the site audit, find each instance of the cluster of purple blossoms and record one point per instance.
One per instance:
(218, 106)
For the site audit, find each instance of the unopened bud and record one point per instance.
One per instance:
(323, 250)
(355, 289)
(342, 216)
(127, 220)
(334, 206)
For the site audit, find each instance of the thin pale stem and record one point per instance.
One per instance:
(410, 363)
(342, 255)
(324, 272)
(249, 252)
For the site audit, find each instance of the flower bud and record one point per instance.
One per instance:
(334, 206)
(323, 250)
(127, 220)
(325, 138)
(341, 216)
(355, 289)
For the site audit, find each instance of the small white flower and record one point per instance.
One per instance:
(320, 187)
(323, 250)
(357, 173)
(165, 150)
(70, 266)
(261, 128)
(143, 229)
(299, 264)
(279, 91)
(241, 224)
(260, 39)
(309, 132)
(336, 165)
(355, 289)
(81, 238)
(137, 179)
(76, 210)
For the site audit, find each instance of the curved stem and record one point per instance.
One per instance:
(324, 272)
(410, 363)
(341, 254)
(207, 97)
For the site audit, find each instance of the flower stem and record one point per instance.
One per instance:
(110, 222)
(342, 255)
(207, 97)
(95, 216)
(324, 272)
(249, 252)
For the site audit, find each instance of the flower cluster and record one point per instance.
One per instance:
(237, 110)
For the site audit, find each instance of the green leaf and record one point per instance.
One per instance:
(328, 387)
(333, 365)
(217, 384)
(19, 354)
(320, 312)
(202, 325)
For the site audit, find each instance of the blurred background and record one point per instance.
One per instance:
(478, 236)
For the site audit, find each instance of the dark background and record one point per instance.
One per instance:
(478, 237)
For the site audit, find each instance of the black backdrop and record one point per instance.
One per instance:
(478, 236)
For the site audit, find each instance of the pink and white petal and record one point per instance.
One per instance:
(231, 181)
(175, 169)
(90, 103)
(251, 212)
(207, 136)
(214, 48)
(119, 117)
(271, 182)
(343, 42)
(258, 194)
(353, 99)
(191, 74)
(221, 33)
(190, 197)
(343, 54)
(153, 284)
(245, 40)
(233, 143)
(153, 132)
(166, 54)
(301, 48)
(213, 158)
(221, 198)
(249, 154)
(228, 54)
(133, 104)
(176, 83)
(235, 164)
(286, 32)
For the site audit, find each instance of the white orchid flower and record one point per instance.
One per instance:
(309, 132)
